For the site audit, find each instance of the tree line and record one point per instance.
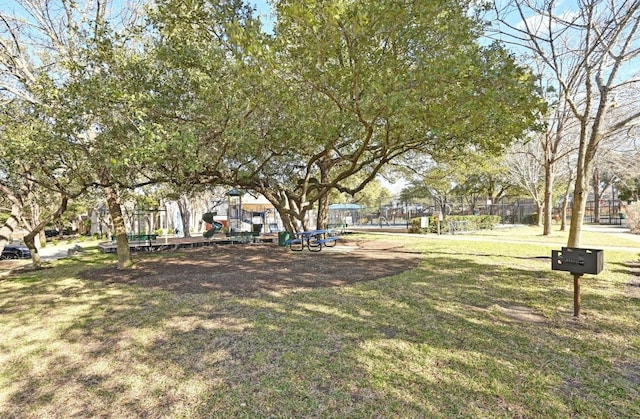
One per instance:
(104, 97)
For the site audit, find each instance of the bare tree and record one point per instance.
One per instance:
(568, 174)
(527, 171)
(590, 53)
(557, 142)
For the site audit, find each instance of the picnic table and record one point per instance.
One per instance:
(313, 240)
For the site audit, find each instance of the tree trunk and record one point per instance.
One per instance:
(565, 201)
(580, 194)
(185, 216)
(298, 212)
(120, 230)
(322, 218)
(280, 203)
(32, 239)
(586, 153)
(565, 207)
(547, 212)
(29, 241)
(12, 222)
(35, 220)
(302, 220)
(540, 210)
(287, 222)
(563, 216)
(595, 185)
(17, 209)
(32, 227)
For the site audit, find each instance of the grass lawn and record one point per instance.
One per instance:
(480, 329)
(590, 238)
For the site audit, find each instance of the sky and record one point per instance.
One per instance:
(264, 11)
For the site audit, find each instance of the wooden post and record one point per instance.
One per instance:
(576, 295)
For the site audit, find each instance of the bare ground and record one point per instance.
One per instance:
(240, 269)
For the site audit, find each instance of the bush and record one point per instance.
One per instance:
(531, 219)
(415, 227)
(471, 223)
(632, 219)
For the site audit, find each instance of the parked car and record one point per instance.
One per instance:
(51, 233)
(15, 251)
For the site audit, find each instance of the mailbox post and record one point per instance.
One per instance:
(578, 262)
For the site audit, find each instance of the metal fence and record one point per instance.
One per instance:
(515, 211)
(609, 212)
(518, 211)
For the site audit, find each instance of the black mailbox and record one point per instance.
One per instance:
(577, 261)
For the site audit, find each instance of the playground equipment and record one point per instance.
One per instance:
(215, 225)
(144, 220)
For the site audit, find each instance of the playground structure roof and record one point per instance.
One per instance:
(346, 206)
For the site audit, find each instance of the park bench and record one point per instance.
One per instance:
(243, 236)
(141, 237)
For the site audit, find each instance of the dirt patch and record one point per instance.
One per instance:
(240, 269)
(521, 314)
(14, 267)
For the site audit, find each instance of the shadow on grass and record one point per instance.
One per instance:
(435, 341)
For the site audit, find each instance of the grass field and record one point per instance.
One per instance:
(483, 328)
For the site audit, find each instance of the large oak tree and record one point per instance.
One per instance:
(353, 86)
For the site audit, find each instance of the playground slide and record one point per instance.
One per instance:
(215, 225)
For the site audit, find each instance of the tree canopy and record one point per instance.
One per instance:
(199, 93)
(339, 90)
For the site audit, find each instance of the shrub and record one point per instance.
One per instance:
(531, 219)
(415, 227)
(632, 219)
(471, 223)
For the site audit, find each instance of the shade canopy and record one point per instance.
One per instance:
(345, 206)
